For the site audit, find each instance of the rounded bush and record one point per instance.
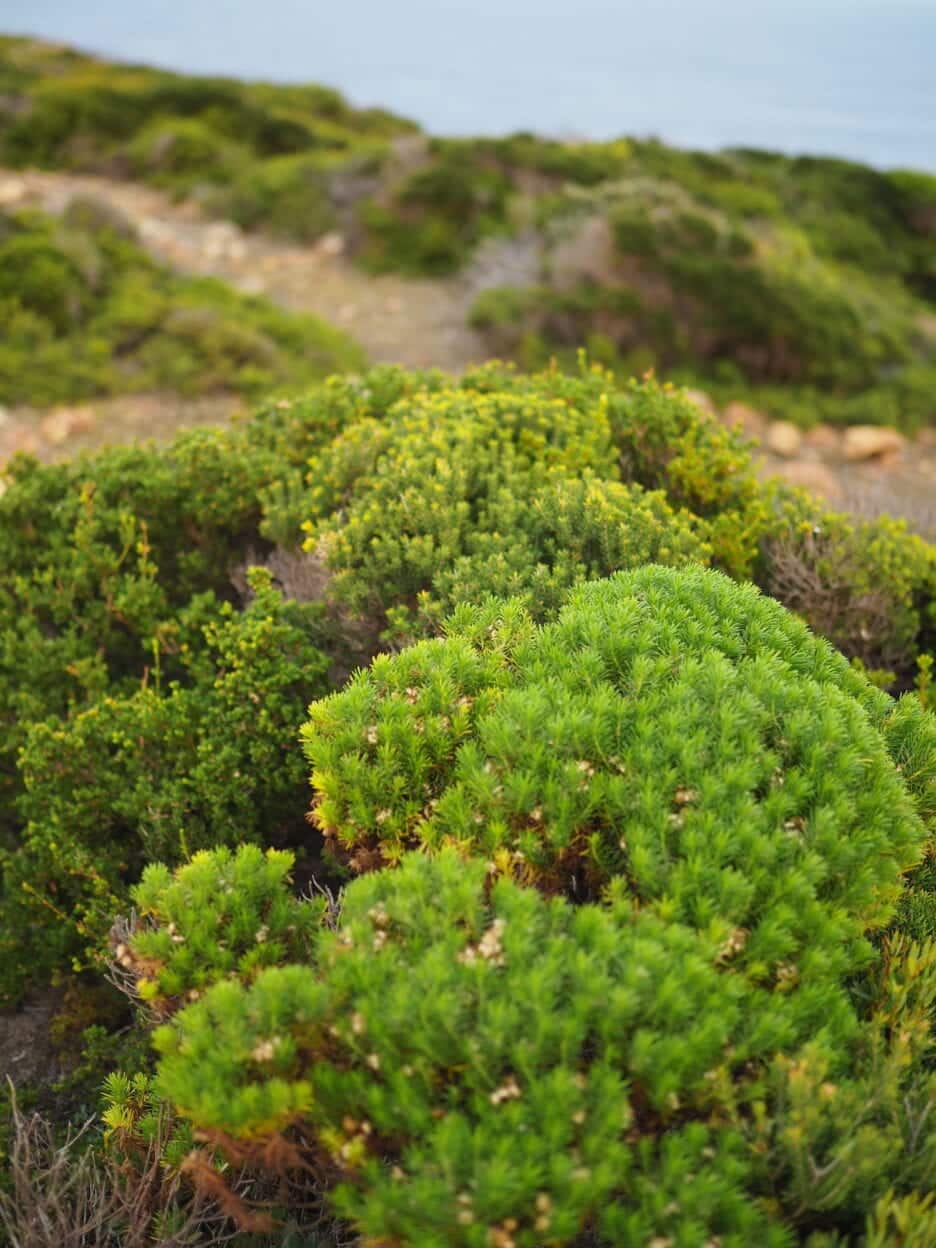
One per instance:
(224, 914)
(477, 1065)
(457, 495)
(672, 732)
(478, 1071)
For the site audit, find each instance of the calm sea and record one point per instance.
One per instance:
(853, 78)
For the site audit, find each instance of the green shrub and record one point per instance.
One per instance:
(432, 221)
(661, 705)
(457, 494)
(159, 773)
(223, 915)
(287, 195)
(176, 151)
(88, 313)
(476, 1065)
(868, 586)
(100, 555)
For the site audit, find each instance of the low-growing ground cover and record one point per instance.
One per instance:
(640, 950)
(86, 312)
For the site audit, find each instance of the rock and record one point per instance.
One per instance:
(4, 417)
(871, 442)
(823, 438)
(812, 476)
(748, 419)
(331, 245)
(703, 401)
(63, 423)
(784, 439)
(12, 190)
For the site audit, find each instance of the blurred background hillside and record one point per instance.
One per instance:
(741, 198)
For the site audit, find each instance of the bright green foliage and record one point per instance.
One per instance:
(479, 1065)
(478, 1068)
(86, 312)
(159, 773)
(457, 494)
(223, 915)
(671, 731)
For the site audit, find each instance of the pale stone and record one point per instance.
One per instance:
(748, 419)
(331, 245)
(871, 441)
(12, 190)
(784, 438)
(812, 476)
(823, 438)
(64, 422)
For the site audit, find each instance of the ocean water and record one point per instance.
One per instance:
(853, 78)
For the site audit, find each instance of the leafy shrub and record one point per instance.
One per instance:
(300, 196)
(222, 915)
(476, 1065)
(87, 312)
(867, 586)
(99, 557)
(431, 222)
(177, 151)
(458, 494)
(610, 744)
(159, 774)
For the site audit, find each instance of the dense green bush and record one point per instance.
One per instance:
(222, 915)
(662, 704)
(86, 312)
(159, 773)
(457, 494)
(474, 1066)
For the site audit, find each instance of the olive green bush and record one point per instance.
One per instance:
(434, 489)
(159, 773)
(459, 494)
(86, 312)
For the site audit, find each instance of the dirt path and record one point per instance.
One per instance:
(399, 320)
